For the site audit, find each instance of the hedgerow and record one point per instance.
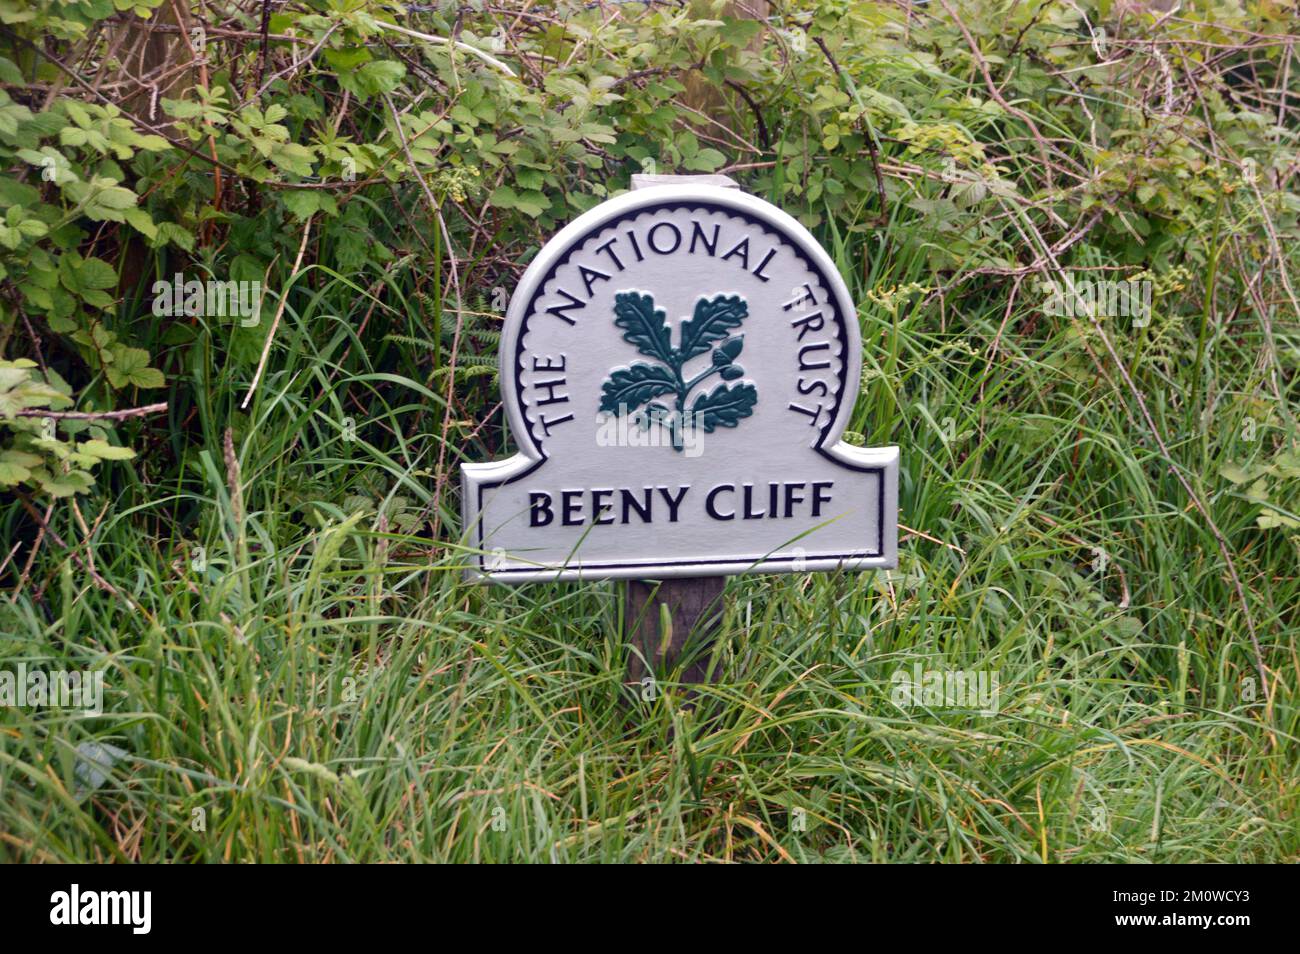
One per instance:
(254, 260)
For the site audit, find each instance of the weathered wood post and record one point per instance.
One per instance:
(665, 621)
(691, 608)
(668, 620)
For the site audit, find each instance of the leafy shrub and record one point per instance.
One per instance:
(343, 151)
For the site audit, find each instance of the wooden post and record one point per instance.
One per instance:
(670, 622)
(677, 620)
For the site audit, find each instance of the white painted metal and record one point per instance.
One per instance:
(801, 358)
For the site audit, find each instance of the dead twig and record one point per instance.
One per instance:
(95, 415)
(275, 322)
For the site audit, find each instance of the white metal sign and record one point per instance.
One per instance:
(677, 367)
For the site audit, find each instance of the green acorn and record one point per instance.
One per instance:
(727, 352)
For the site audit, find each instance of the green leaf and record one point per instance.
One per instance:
(303, 203)
(293, 158)
(713, 320)
(21, 458)
(65, 485)
(104, 450)
(706, 160)
(1235, 473)
(13, 192)
(96, 273)
(102, 199)
(347, 58)
(1270, 519)
(628, 388)
(21, 389)
(9, 73)
(1287, 464)
(643, 325)
(171, 232)
(11, 473)
(131, 366)
(77, 112)
(724, 406)
(380, 76)
(504, 197)
(142, 222)
(532, 203)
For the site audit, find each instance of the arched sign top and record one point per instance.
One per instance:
(752, 233)
(678, 361)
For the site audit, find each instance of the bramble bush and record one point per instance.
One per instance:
(435, 146)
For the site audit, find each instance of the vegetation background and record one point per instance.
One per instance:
(251, 527)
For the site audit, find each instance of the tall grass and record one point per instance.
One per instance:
(318, 684)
